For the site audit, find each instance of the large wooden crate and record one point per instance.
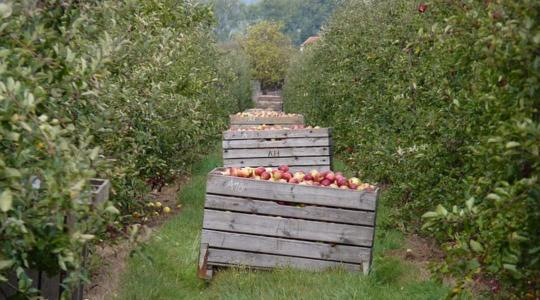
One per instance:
(50, 286)
(264, 224)
(269, 102)
(239, 121)
(300, 149)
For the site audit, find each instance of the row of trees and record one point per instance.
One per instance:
(440, 102)
(300, 18)
(133, 91)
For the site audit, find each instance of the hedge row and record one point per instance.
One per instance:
(440, 101)
(133, 91)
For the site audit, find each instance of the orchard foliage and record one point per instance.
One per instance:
(133, 91)
(440, 101)
(268, 50)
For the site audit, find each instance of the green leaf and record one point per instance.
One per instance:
(470, 203)
(6, 201)
(441, 210)
(5, 10)
(512, 145)
(493, 197)
(112, 210)
(4, 264)
(510, 267)
(430, 214)
(94, 153)
(476, 246)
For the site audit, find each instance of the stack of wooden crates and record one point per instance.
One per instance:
(264, 224)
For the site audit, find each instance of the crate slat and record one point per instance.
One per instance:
(281, 152)
(269, 245)
(283, 143)
(260, 189)
(288, 228)
(278, 120)
(276, 134)
(278, 161)
(267, 207)
(256, 260)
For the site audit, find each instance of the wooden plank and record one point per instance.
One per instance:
(256, 260)
(276, 134)
(269, 245)
(277, 161)
(284, 143)
(252, 120)
(269, 207)
(50, 286)
(251, 188)
(278, 152)
(288, 228)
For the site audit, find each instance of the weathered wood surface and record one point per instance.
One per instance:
(281, 120)
(257, 260)
(278, 161)
(280, 152)
(288, 247)
(277, 143)
(294, 193)
(260, 224)
(288, 228)
(277, 134)
(269, 207)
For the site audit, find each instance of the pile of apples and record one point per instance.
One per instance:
(274, 127)
(314, 177)
(264, 113)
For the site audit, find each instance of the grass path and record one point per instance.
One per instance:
(167, 268)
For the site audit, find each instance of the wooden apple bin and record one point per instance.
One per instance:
(264, 224)
(50, 285)
(270, 102)
(237, 121)
(300, 149)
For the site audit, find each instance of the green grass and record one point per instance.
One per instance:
(165, 268)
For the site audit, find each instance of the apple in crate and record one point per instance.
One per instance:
(299, 176)
(284, 168)
(287, 176)
(259, 171)
(266, 176)
(277, 174)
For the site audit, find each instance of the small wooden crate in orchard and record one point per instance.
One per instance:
(265, 224)
(256, 118)
(300, 149)
(270, 102)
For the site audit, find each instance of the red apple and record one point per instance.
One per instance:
(265, 175)
(422, 8)
(353, 186)
(259, 171)
(341, 181)
(287, 176)
(308, 177)
(294, 181)
(330, 176)
(325, 182)
(284, 168)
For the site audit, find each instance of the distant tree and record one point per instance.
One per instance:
(269, 51)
